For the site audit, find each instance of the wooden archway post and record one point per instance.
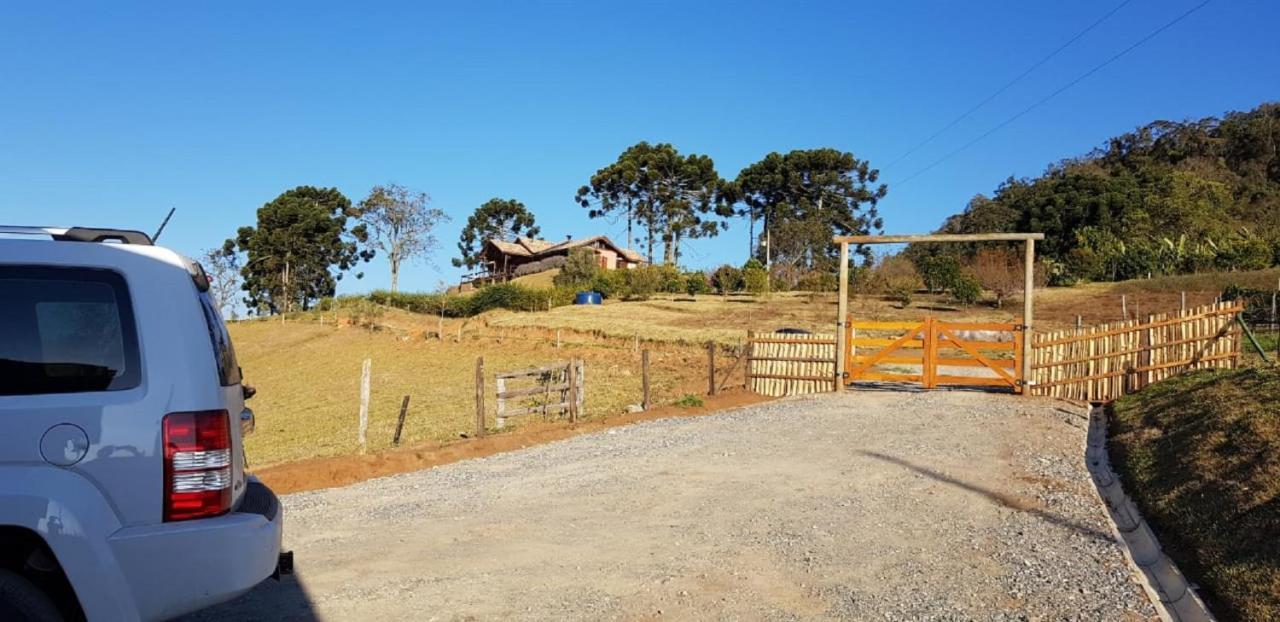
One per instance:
(842, 316)
(1028, 298)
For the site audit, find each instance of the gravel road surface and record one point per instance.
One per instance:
(870, 505)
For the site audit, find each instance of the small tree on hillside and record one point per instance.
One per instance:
(896, 277)
(299, 249)
(222, 266)
(579, 270)
(400, 224)
(726, 279)
(696, 283)
(755, 279)
(1000, 271)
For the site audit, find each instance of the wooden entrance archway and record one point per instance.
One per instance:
(1029, 255)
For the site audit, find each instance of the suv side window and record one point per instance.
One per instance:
(66, 330)
(223, 351)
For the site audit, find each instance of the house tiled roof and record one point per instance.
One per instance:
(534, 246)
(510, 248)
(530, 247)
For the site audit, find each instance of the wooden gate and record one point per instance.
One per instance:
(935, 353)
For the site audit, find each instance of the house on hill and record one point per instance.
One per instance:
(501, 260)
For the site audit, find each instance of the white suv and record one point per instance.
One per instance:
(122, 487)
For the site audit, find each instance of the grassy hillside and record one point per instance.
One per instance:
(1201, 456)
(545, 279)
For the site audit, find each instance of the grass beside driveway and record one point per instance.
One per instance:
(1200, 454)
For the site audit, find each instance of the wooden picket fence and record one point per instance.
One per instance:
(1093, 364)
(1104, 362)
(791, 364)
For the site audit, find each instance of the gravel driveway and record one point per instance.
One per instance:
(866, 505)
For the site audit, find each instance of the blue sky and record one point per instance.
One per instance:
(110, 113)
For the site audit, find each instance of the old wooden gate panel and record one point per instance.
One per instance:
(934, 345)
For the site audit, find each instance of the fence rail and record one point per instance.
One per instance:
(791, 364)
(1104, 362)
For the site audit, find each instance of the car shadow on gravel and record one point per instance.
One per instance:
(286, 599)
(1012, 502)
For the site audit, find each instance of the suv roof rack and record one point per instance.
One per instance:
(83, 234)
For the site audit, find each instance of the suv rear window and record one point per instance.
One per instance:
(66, 330)
(223, 351)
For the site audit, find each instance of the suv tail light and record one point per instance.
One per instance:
(197, 464)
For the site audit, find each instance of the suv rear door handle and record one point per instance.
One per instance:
(247, 422)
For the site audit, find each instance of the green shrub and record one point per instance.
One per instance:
(1245, 252)
(610, 283)
(726, 279)
(670, 281)
(965, 290)
(755, 280)
(641, 282)
(689, 401)
(498, 296)
(939, 272)
(580, 269)
(696, 283)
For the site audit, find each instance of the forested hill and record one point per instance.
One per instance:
(1170, 197)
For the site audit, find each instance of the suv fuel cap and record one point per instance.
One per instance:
(64, 444)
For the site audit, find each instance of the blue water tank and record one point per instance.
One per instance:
(588, 298)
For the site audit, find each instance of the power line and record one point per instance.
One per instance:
(1009, 84)
(1050, 96)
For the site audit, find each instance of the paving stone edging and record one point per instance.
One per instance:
(1166, 586)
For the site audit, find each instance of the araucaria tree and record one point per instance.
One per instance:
(810, 195)
(503, 219)
(400, 224)
(299, 250)
(673, 197)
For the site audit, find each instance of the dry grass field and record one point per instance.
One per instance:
(308, 379)
(307, 368)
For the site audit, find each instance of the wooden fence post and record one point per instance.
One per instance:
(1124, 307)
(582, 385)
(746, 372)
(479, 396)
(572, 396)
(644, 380)
(364, 402)
(711, 368)
(404, 409)
(501, 408)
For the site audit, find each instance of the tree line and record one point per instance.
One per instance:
(307, 238)
(1167, 198)
(806, 196)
